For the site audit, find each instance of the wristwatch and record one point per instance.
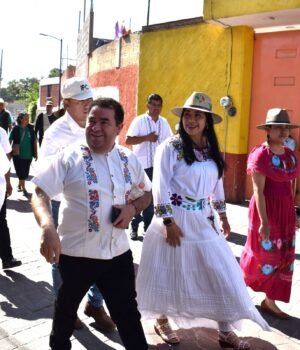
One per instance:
(167, 221)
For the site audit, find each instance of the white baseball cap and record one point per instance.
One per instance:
(76, 88)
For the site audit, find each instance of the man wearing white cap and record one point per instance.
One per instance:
(77, 97)
(43, 121)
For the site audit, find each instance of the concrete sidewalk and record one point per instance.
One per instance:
(26, 297)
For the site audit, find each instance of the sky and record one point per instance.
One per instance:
(28, 54)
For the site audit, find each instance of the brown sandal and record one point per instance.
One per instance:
(166, 333)
(231, 340)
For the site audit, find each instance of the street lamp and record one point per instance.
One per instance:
(60, 59)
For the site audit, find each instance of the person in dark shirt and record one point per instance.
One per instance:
(43, 121)
(5, 118)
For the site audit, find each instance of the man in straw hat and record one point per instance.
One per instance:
(268, 256)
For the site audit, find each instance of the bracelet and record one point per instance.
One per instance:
(168, 222)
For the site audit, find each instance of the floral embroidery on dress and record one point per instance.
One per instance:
(275, 160)
(287, 164)
(126, 172)
(286, 266)
(94, 203)
(162, 210)
(267, 269)
(176, 142)
(219, 205)
(202, 154)
(90, 172)
(188, 203)
(278, 244)
(266, 244)
(176, 199)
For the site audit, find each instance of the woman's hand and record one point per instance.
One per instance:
(225, 227)
(264, 231)
(173, 234)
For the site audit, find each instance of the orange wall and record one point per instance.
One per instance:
(276, 83)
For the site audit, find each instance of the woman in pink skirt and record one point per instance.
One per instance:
(268, 257)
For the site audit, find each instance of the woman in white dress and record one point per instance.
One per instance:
(187, 270)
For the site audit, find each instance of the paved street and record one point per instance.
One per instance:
(26, 297)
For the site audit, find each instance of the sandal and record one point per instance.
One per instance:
(166, 333)
(231, 340)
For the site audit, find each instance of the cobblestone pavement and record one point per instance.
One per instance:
(26, 298)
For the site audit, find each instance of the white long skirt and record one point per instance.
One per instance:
(197, 284)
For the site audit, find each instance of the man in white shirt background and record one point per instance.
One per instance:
(145, 133)
(77, 97)
(91, 245)
(8, 261)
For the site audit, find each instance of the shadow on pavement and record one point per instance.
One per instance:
(237, 238)
(90, 341)
(289, 327)
(26, 299)
(20, 205)
(207, 339)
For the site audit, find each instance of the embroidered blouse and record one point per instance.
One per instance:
(91, 184)
(190, 187)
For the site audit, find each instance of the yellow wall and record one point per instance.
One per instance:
(214, 9)
(201, 57)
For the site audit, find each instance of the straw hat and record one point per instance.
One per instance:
(277, 116)
(200, 102)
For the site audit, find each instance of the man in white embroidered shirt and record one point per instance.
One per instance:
(145, 133)
(90, 243)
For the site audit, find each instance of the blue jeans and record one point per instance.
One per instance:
(94, 295)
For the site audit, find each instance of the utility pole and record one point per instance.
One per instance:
(60, 62)
(148, 12)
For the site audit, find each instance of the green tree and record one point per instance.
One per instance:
(18, 89)
(54, 72)
(31, 98)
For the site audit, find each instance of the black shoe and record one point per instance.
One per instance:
(133, 235)
(8, 264)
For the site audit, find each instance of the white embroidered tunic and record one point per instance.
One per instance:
(91, 184)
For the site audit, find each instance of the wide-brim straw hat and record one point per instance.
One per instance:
(277, 116)
(200, 102)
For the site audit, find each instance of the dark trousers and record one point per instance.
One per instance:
(115, 278)
(147, 213)
(5, 248)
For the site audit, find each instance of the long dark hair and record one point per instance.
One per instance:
(214, 149)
